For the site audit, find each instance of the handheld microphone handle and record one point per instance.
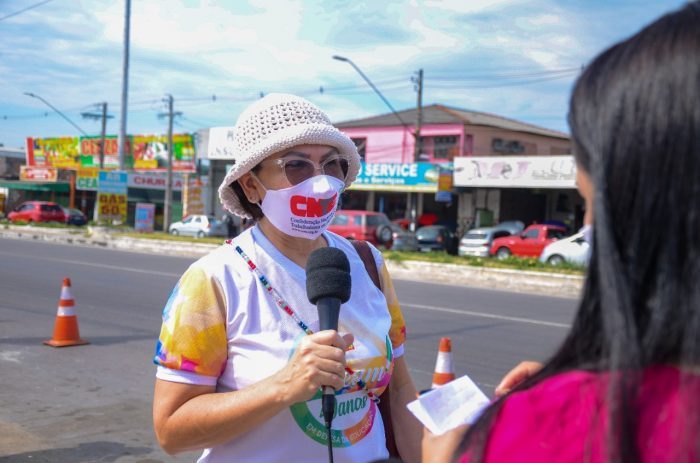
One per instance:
(328, 312)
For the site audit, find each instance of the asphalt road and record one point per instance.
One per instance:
(93, 403)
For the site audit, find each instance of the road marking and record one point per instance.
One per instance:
(486, 315)
(92, 264)
(11, 356)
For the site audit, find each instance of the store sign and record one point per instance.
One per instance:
(145, 217)
(86, 179)
(90, 152)
(153, 181)
(112, 207)
(220, 143)
(112, 196)
(61, 152)
(150, 152)
(413, 177)
(445, 181)
(143, 152)
(515, 171)
(38, 174)
(192, 198)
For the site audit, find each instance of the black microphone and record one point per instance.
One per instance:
(328, 285)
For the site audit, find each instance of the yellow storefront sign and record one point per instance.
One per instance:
(112, 207)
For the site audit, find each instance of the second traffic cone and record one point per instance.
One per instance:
(444, 371)
(65, 332)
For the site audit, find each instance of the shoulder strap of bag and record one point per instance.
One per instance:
(367, 257)
(365, 253)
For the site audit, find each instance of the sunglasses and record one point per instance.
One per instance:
(298, 170)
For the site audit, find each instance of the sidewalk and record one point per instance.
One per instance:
(547, 284)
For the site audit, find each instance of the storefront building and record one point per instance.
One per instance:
(531, 189)
(78, 165)
(448, 135)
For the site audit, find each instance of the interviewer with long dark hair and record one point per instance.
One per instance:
(625, 384)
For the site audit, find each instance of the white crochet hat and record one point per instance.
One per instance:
(277, 122)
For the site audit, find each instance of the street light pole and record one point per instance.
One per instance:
(57, 111)
(125, 86)
(369, 82)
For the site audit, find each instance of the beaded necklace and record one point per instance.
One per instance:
(282, 304)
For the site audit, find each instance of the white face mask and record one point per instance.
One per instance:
(303, 210)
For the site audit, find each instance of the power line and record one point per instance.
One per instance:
(25, 9)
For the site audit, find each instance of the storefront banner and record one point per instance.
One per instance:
(192, 202)
(112, 182)
(515, 172)
(61, 152)
(38, 174)
(143, 152)
(90, 152)
(111, 196)
(145, 217)
(150, 152)
(86, 179)
(153, 181)
(414, 177)
(445, 180)
(112, 207)
(220, 144)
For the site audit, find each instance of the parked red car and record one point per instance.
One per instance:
(529, 243)
(374, 227)
(37, 211)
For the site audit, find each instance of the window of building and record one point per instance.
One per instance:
(499, 145)
(445, 147)
(361, 144)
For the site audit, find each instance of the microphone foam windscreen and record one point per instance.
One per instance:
(328, 275)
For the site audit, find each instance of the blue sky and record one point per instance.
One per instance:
(514, 58)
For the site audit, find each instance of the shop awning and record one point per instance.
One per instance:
(59, 187)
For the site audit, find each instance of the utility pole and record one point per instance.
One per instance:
(418, 86)
(103, 116)
(125, 86)
(167, 206)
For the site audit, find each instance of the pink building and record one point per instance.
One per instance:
(446, 133)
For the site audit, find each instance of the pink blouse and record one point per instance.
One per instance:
(564, 419)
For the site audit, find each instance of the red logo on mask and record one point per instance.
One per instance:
(303, 206)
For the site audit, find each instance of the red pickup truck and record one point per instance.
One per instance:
(529, 243)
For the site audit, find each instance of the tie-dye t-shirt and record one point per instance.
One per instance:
(222, 328)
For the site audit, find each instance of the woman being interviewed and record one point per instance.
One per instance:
(240, 359)
(625, 384)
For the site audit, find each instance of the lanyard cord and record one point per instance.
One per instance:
(282, 305)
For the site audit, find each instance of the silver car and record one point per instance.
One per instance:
(477, 242)
(199, 226)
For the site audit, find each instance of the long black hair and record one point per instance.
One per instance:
(635, 123)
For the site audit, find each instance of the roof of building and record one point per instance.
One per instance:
(6, 152)
(441, 114)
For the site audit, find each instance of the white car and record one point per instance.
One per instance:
(199, 226)
(574, 249)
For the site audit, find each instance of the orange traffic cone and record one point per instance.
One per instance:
(444, 371)
(65, 332)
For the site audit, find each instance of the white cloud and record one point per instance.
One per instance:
(71, 52)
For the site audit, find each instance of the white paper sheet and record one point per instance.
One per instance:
(456, 403)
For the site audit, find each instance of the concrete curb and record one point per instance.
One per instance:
(549, 284)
